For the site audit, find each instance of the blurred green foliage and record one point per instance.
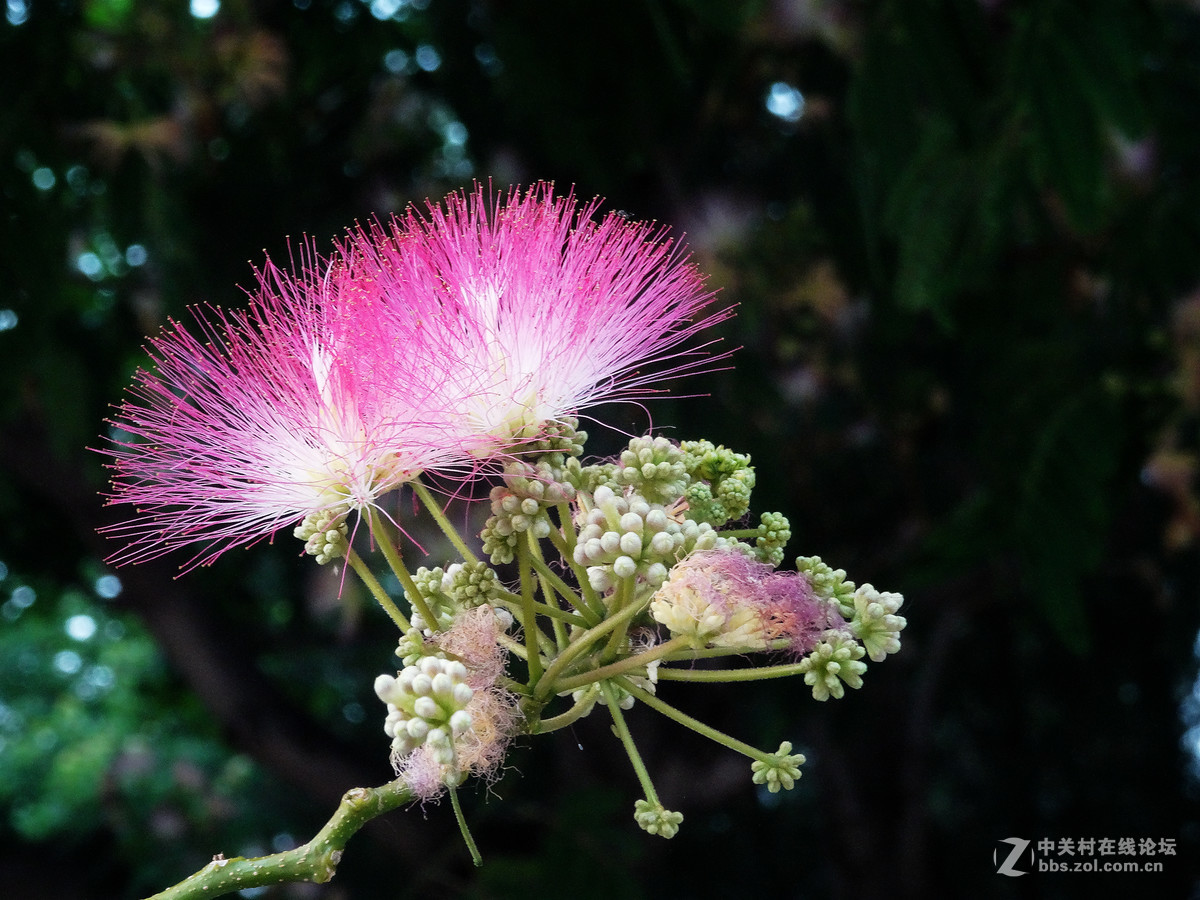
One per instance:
(963, 237)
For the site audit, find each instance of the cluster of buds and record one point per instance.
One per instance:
(324, 534)
(448, 714)
(623, 536)
(668, 577)
(721, 482)
(427, 707)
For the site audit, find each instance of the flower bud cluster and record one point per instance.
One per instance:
(779, 771)
(543, 481)
(324, 534)
(652, 818)
(721, 482)
(774, 531)
(471, 584)
(835, 661)
(512, 516)
(654, 467)
(430, 583)
(828, 583)
(427, 707)
(626, 536)
(556, 437)
(875, 622)
(449, 592)
(468, 652)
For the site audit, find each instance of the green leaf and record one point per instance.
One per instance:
(1062, 510)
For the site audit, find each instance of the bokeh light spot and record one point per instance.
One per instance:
(80, 627)
(205, 9)
(785, 102)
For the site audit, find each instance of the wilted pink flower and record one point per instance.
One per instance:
(268, 416)
(721, 598)
(543, 310)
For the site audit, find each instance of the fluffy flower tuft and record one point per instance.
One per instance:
(267, 417)
(543, 310)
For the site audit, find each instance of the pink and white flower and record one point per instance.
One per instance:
(543, 310)
(267, 416)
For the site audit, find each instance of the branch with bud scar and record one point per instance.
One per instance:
(630, 573)
(316, 861)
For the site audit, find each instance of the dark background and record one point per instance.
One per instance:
(968, 280)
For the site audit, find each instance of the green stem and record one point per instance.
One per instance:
(584, 641)
(566, 549)
(315, 861)
(449, 530)
(543, 571)
(752, 674)
(621, 667)
(383, 537)
(715, 652)
(567, 526)
(622, 596)
(614, 709)
(564, 589)
(740, 533)
(462, 827)
(695, 724)
(512, 646)
(580, 709)
(368, 578)
(529, 619)
(552, 612)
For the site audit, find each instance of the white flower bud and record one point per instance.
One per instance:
(599, 578)
(385, 688)
(624, 567)
(426, 708)
(662, 544)
(656, 520)
(632, 522)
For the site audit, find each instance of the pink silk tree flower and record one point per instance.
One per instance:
(269, 416)
(539, 309)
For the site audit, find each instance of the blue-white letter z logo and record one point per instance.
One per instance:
(1006, 867)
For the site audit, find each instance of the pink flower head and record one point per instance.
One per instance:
(539, 310)
(269, 416)
(722, 598)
